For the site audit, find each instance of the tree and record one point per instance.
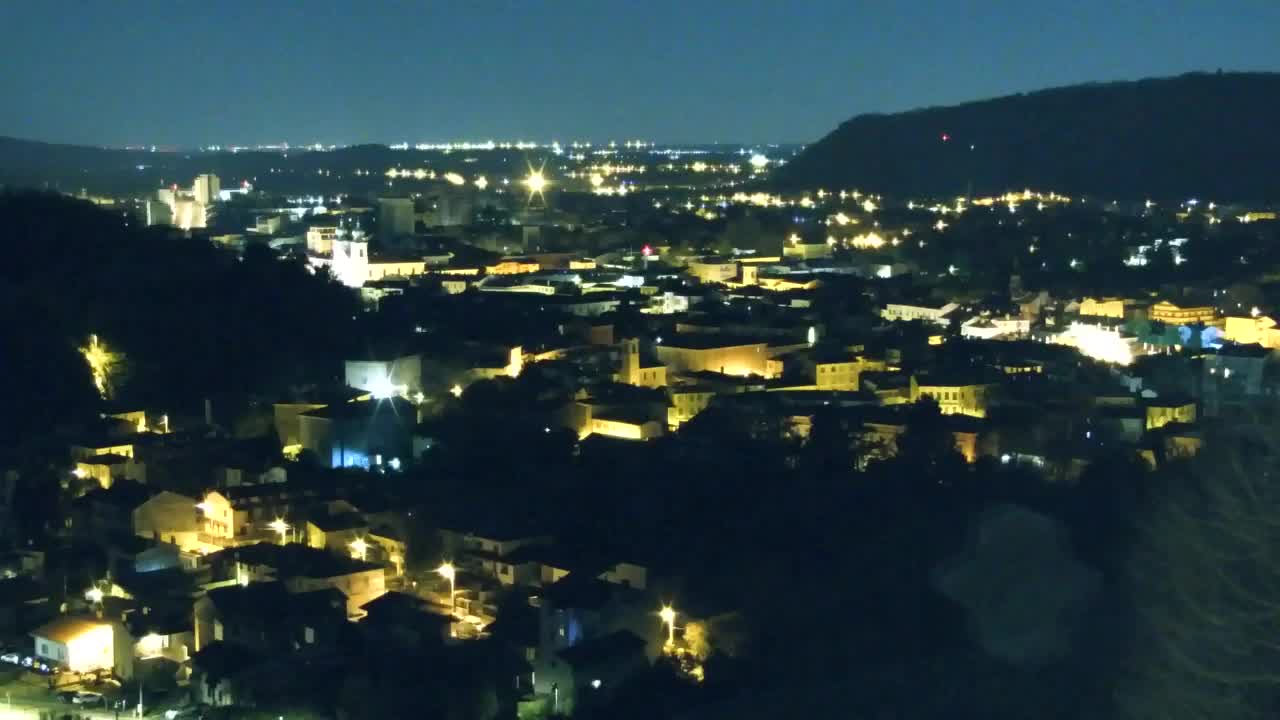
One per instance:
(1206, 586)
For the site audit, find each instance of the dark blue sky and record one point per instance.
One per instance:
(256, 71)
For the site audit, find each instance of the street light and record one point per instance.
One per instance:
(450, 573)
(359, 548)
(668, 615)
(281, 527)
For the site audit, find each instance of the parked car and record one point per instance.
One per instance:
(11, 657)
(66, 696)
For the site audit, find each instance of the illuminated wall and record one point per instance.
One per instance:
(742, 360)
(1159, 416)
(219, 520)
(350, 264)
(625, 430)
(360, 587)
(170, 518)
(384, 378)
(511, 267)
(908, 313)
(712, 272)
(954, 399)
(1103, 307)
(685, 405)
(633, 373)
(841, 375)
(806, 251)
(1099, 343)
(79, 645)
(1168, 313)
(1252, 330)
(320, 240)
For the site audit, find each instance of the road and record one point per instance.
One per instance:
(29, 709)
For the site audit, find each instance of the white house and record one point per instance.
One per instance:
(84, 644)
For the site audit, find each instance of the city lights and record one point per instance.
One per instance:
(450, 573)
(280, 527)
(668, 615)
(359, 549)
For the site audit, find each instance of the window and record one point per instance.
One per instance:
(309, 635)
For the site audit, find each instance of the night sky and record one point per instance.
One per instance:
(254, 71)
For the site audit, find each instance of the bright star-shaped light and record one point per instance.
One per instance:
(536, 182)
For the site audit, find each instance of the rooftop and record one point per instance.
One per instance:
(65, 629)
(295, 560)
(708, 341)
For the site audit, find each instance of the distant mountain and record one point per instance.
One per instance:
(1213, 136)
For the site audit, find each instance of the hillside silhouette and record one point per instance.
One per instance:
(1196, 135)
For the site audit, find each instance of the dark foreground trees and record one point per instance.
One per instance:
(1206, 583)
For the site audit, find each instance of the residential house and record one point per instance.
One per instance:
(401, 620)
(83, 644)
(586, 675)
(171, 518)
(336, 532)
(266, 617)
(303, 569)
(359, 434)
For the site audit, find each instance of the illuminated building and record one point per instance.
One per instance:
(170, 518)
(634, 372)
(906, 313)
(189, 214)
(796, 248)
(1168, 313)
(984, 328)
(108, 468)
(220, 522)
(1255, 216)
(843, 374)
(513, 266)
(336, 532)
(712, 270)
(592, 639)
(690, 352)
(1104, 307)
(397, 376)
(205, 189)
(320, 239)
(1163, 411)
(303, 570)
(1098, 342)
(84, 450)
(84, 645)
(350, 260)
(620, 411)
(364, 434)
(953, 396)
(157, 212)
(686, 403)
(395, 217)
(1259, 330)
